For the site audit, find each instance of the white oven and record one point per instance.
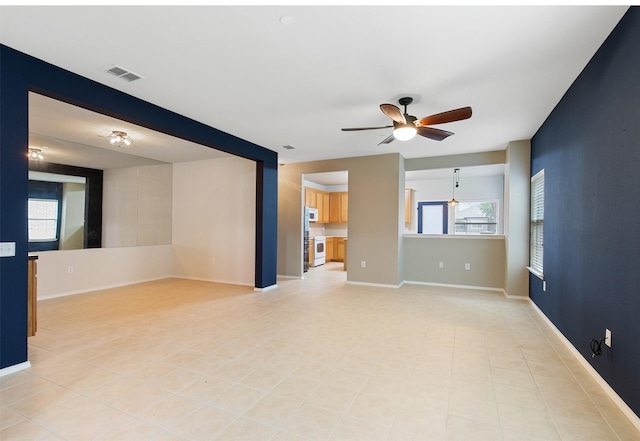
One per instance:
(319, 244)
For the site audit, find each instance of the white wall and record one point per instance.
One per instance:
(99, 268)
(214, 220)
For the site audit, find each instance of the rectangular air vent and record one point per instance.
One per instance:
(288, 147)
(123, 73)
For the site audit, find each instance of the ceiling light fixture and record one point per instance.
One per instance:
(405, 132)
(456, 184)
(119, 138)
(35, 153)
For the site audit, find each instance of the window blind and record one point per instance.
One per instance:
(537, 222)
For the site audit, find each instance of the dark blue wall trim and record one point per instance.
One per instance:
(589, 147)
(21, 73)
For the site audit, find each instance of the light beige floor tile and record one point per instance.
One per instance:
(373, 409)
(461, 429)
(574, 429)
(296, 388)
(237, 398)
(170, 411)
(94, 426)
(24, 430)
(273, 410)
(527, 421)
(133, 430)
(317, 342)
(351, 429)
(9, 417)
(203, 424)
(67, 412)
(245, 429)
(313, 422)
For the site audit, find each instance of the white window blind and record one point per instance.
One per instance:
(537, 222)
(43, 219)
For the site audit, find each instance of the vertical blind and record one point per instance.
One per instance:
(537, 222)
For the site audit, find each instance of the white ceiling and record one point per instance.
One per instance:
(242, 70)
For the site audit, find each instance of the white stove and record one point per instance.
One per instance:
(319, 243)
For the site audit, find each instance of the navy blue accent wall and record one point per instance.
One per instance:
(21, 73)
(589, 147)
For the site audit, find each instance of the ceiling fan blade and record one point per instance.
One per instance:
(445, 117)
(432, 133)
(393, 112)
(352, 129)
(387, 140)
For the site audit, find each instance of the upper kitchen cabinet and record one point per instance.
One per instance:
(323, 200)
(310, 197)
(338, 207)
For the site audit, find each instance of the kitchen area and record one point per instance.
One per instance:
(326, 207)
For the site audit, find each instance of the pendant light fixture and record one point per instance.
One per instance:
(456, 184)
(119, 138)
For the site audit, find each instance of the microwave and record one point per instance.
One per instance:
(313, 215)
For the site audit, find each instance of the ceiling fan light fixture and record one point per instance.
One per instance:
(405, 132)
(119, 138)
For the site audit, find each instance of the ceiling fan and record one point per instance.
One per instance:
(406, 126)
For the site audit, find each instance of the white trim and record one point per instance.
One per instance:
(282, 276)
(454, 236)
(15, 368)
(629, 413)
(516, 297)
(201, 279)
(380, 285)
(266, 288)
(447, 285)
(536, 273)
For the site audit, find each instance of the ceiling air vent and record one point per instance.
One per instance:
(288, 147)
(123, 73)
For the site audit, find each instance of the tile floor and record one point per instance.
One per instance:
(314, 359)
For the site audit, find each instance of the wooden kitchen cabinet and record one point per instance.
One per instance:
(330, 249)
(323, 201)
(32, 297)
(407, 205)
(310, 197)
(338, 207)
(340, 249)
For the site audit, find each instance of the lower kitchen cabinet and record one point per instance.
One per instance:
(339, 249)
(330, 249)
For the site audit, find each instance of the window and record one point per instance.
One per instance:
(432, 217)
(476, 217)
(43, 220)
(536, 248)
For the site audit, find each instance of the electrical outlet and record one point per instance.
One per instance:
(70, 270)
(467, 266)
(363, 264)
(607, 337)
(441, 265)
(544, 285)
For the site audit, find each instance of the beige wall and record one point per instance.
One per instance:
(517, 206)
(137, 206)
(375, 193)
(214, 220)
(486, 256)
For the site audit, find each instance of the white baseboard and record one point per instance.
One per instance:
(101, 288)
(629, 413)
(266, 288)
(15, 368)
(447, 285)
(379, 285)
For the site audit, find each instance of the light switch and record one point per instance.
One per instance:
(7, 249)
